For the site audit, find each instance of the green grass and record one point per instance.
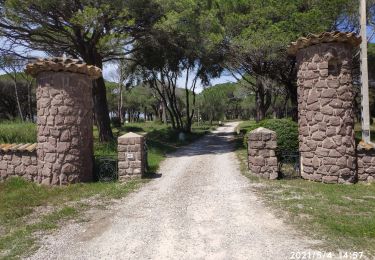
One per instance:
(17, 132)
(27, 209)
(160, 139)
(342, 215)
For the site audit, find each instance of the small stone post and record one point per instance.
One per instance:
(325, 106)
(131, 156)
(262, 144)
(65, 125)
(366, 162)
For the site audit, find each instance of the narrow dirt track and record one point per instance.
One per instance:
(200, 208)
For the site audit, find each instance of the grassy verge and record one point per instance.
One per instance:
(28, 210)
(341, 215)
(160, 140)
(17, 132)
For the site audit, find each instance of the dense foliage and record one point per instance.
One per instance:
(286, 130)
(165, 49)
(94, 31)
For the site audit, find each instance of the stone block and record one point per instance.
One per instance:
(256, 144)
(334, 121)
(328, 144)
(314, 107)
(333, 83)
(131, 159)
(308, 170)
(313, 97)
(273, 175)
(307, 162)
(122, 148)
(305, 148)
(258, 161)
(331, 131)
(326, 110)
(123, 165)
(315, 162)
(318, 136)
(334, 154)
(330, 179)
(312, 145)
(255, 169)
(261, 150)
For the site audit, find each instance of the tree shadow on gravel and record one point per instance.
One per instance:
(152, 175)
(214, 143)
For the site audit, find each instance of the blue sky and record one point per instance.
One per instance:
(110, 69)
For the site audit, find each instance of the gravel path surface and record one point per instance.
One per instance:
(200, 208)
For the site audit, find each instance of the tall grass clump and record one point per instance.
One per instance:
(17, 132)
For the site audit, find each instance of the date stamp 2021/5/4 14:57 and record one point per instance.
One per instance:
(307, 255)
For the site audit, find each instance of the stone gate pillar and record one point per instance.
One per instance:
(262, 160)
(64, 110)
(132, 156)
(325, 106)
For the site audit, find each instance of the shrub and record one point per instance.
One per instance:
(116, 122)
(287, 133)
(286, 130)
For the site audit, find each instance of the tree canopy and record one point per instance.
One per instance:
(94, 31)
(164, 41)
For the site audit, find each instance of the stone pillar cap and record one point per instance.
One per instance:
(366, 146)
(61, 65)
(130, 135)
(325, 37)
(263, 130)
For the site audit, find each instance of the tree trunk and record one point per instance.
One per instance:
(101, 111)
(292, 90)
(17, 98)
(31, 114)
(257, 107)
(188, 118)
(164, 112)
(121, 104)
(100, 99)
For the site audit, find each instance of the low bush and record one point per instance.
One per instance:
(116, 122)
(287, 133)
(286, 130)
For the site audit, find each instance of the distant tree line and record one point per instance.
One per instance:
(156, 43)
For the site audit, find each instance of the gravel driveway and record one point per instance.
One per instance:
(200, 208)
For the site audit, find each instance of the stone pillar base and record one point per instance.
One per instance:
(131, 156)
(262, 158)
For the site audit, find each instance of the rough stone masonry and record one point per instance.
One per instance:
(325, 106)
(131, 156)
(18, 160)
(366, 162)
(262, 144)
(64, 123)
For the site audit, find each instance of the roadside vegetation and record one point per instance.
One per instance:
(342, 215)
(28, 210)
(17, 132)
(161, 53)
